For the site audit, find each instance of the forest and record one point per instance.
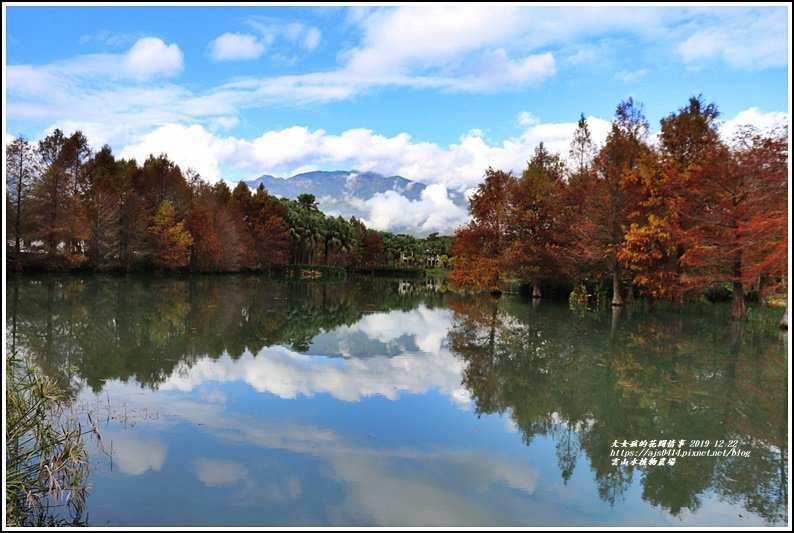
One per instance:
(69, 208)
(667, 218)
(670, 219)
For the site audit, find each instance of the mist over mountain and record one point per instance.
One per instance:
(388, 203)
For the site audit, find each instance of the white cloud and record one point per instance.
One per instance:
(742, 39)
(382, 485)
(286, 37)
(627, 76)
(289, 488)
(428, 327)
(107, 37)
(458, 166)
(312, 38)
(135, 455)
(755, 118)
(236, 47)
(493, 70)
(458, 48)
(148, 58)
(396, 39)
(288, 374)
(433, 212)
(188, 146)
(151, 57)
(526, 119)
(583, 55)
(214, 472)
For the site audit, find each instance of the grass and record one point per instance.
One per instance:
(46, 461)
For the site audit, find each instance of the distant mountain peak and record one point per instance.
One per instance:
(322, 183)
(348, 192)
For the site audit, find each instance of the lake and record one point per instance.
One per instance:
(244, 401)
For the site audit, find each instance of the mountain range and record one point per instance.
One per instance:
(367, 196)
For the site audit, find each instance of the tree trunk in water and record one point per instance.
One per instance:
(615, 314)
(738, 308)
(760, 291)
(784, 320)
(535, 289)
(630, 294)
(617, 299)
(678, 301)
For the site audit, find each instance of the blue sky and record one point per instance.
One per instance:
(433, 93)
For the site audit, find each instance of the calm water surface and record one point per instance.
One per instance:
(240, 401)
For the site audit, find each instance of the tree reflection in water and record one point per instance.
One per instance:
(586, 381)
(103, 328)
(583, 380)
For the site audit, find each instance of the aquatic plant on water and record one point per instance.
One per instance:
(46, 461)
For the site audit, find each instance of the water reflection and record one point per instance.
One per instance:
(586, 383)
(134, 455)
(149, 329)
(279, 401)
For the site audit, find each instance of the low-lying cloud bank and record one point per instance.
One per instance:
(458, 167)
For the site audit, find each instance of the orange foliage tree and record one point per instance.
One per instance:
(479, 246)
(762, 160)
(534, 228)
(671, 183)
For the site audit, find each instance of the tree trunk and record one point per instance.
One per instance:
(738, 307)
(630, 294)
(617, 299)
(784, 320)
(616, 309)
(536, 289)
(760, 291)
(678, 301)
(18, 218)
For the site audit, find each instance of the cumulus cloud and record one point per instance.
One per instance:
(151, 57)
(383, 484)
(188, 146)
(148, 58)
(236, 47)
(446, 170)
(288, 374)
(135, 455)
(755, 118)
(459, 48)
(433, 212)
(284, 152)
(526, 119)
(456, 167)
(427, 327)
